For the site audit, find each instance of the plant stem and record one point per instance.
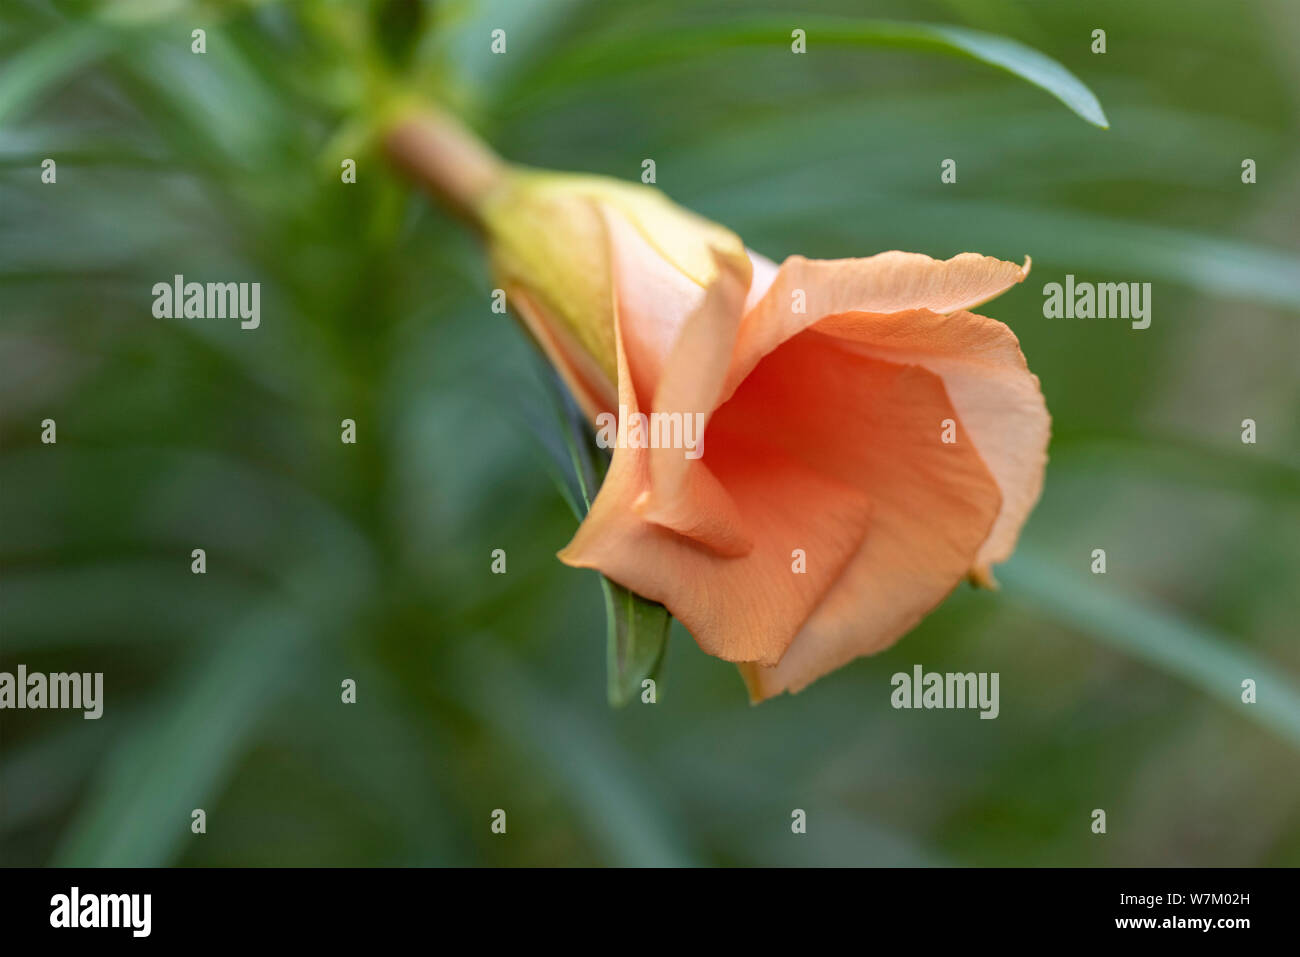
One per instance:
(446, 158)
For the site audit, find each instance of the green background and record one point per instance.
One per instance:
(479, 691)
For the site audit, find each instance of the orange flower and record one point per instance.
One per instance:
(869, 441)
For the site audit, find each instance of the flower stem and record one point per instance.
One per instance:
(446, 158)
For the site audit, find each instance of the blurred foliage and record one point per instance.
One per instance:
(371, 561)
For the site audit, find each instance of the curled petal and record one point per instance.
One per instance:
(933, 503)
(653, 299)
(997, 399)
(683, 495)
(764, 273)
(676, 338)
(746, 607)
(587, 382)
(804, 291)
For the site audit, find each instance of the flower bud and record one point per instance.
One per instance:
(548, 238)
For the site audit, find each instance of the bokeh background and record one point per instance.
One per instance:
(371, 561)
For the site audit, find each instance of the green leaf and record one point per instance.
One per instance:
(578, 752)
(604, 58)
(179, 753)
(1013, 57)
(46, 63)
(1186, 649)
(180, 756)
(637, 628)
(637, 643)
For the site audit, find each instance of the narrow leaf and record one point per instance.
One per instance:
(637, 642)
(1185, 649)
(637, 628)
(45, 64)
(605, 58)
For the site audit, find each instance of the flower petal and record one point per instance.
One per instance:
(677, 337)
(764, 273)
(996, 397)
(887, 282)
(653, 298)
(932, 503)
(586, 381)
(742, 608)
(682, 494)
